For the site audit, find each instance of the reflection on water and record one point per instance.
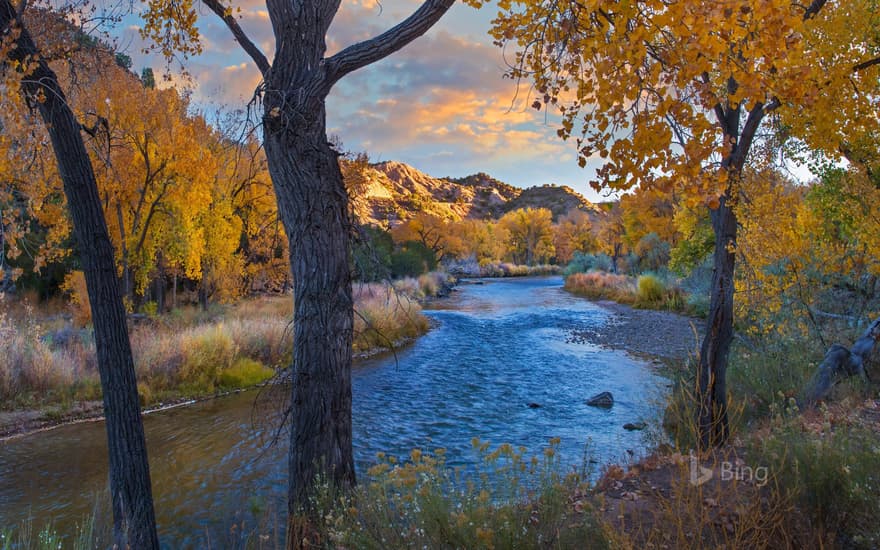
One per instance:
(497, 347)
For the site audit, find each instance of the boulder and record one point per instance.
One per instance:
(634, 426)
(604, 400)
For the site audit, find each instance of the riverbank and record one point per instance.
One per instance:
(663, 335)
(50, 376)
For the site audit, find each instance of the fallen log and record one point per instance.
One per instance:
(840, 363)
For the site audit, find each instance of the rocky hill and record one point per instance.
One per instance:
(396, 191)
(559, 199)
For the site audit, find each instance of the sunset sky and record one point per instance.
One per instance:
(441, 104)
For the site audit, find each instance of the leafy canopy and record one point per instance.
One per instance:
(660, 87)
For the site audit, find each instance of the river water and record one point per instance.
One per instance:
(497, 346)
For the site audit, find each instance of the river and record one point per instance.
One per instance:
(497, 346)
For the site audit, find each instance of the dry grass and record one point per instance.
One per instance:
(188, 352)
(648, 291)
(386, 316)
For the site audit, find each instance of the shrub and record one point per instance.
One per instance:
(74, 286)
(509, 501)
(244, 373)
(770, 374)
(833, 473)
(598, 285)
(651, 288)
(582, 263)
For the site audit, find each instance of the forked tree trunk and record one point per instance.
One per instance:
(313, 205)
(133, 517)
(712, 418)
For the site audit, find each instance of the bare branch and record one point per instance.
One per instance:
(369, 51)
(813, 9)
(756, 115)
(866, 64)
(246, 44)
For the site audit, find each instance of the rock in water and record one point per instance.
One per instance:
(604, 400)
(534, 405)
(633, 426)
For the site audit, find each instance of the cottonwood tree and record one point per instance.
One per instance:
(672, 94)
(25, 71)
(312, 204)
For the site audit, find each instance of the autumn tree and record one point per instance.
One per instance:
(312, 203)
(573, 233)
(484, 241)
(672, 95)
(27, 75)
(647, 211)
(610, 234)
(530, 234)
(429, 230)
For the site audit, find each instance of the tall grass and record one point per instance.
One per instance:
(385, 317)
(189, 352)
(648, 291)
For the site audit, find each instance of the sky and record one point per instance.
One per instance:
(441, 104)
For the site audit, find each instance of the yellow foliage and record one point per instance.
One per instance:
(74, 286)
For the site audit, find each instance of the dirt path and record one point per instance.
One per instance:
(661, 334)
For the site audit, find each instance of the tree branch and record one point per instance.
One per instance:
(246, 44)
(369, 51)
(866, 64)
(813, 9)
(756, 115)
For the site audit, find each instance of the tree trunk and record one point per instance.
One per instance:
(134, 520)
(313, 205)
(712, 421)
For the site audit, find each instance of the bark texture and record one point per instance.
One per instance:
(130, 488)
(313, 206)
(712, 418)
(711, 415)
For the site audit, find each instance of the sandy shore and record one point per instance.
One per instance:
(664, 335)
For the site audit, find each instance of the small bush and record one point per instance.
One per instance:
(770, 375)
(244, 373)
(582, 263)
(651, 288)
(833, 473)
(598, 285)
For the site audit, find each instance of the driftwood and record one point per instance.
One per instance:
(840, 363)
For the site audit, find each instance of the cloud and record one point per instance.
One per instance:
(441, 103)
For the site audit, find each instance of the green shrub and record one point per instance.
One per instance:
(150, 309)
(582, 263)
(509, 501)
(833, 474)
(770, 374)
(244, 373)
(651, 289)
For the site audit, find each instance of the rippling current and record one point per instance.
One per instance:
(496, 347)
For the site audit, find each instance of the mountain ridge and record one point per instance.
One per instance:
(396, 191)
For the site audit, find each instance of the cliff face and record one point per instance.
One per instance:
(397, 191)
